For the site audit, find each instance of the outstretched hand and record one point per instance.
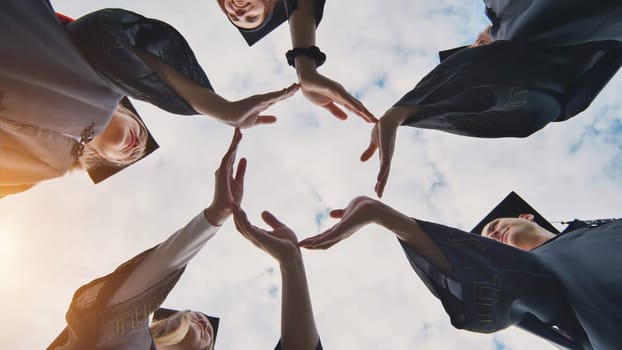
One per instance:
(359, 212)
(383, 138)
(281, 242)
(246, 112)
(328, 94)
(228, 189)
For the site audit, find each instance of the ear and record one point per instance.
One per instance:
(529, 217)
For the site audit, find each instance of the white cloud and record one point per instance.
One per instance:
(66, 232)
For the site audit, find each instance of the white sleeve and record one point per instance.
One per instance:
(167, 257)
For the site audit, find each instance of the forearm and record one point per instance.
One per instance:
(298, 330)
(407, 230)
(302, 31)
(169, 256)
(203, 100)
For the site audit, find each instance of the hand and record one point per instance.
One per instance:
(483, 38)
(228, 190)
(245, 113)
(281, 242)
(359, 212)
(383, 137)
(327, 93)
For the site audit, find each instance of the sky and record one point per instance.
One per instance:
(66, 232)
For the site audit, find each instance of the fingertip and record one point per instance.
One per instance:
(266, 119)
(364, 156)
(336, 213)
(368, 153)
(336, 111)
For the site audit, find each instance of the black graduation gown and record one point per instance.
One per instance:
(108, 38)
(572, 282)
(79, 72)
(93, 324)
(548, 63)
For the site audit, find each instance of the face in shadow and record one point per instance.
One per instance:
(246, 14)
(520, 232)
(124, 139)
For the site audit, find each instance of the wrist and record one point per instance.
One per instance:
(215, 215)
(397, 115)
(292, 263)
(310, 53)
(305, 68)
(382, 214)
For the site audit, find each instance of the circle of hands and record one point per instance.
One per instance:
(281, 242)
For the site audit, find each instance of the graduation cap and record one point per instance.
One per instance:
(163, 313)
(102, 172)
(511, 207)
(279, 14)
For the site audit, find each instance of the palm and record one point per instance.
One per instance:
(228, 189)
(383, 139)
(281, 243)
(246, 112)
(358, 213)
(328, 94)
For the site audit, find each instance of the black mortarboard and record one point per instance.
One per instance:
(279, 14)
(101, 173)
(510, 207)
(163, 313)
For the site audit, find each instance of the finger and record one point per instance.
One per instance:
(383, 176)
(237, 136)
(244, 226)
(271, 220)
(265, 119)
(362, 112)
(310, 241)
(371, 149)
(337, 213)
(336, 111)
(276, 96)
(323, 245)
(241, 171)
(241, 220)
(386, 140)
(373, 144)
(319, 242)
(355, 106)
(229, 157)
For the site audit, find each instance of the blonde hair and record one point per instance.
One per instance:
(171, 330)
(90, 158)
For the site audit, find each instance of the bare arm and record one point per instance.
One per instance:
(316, 87)
(298, 330)
(177, 250)
(243, 113)
(362, 211)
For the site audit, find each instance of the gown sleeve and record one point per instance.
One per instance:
(510, 88)
(493, 286)
(108, 39)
